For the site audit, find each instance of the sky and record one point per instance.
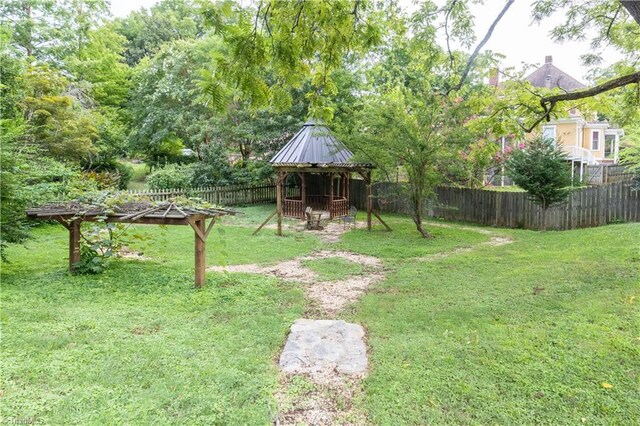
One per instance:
(520, 40)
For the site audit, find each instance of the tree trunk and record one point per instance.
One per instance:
(544, 218)
(417, 212)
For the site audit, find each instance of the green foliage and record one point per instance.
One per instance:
(57, 126)
(98, 245)
(101, 65)
(147, 30)
(12, 198)
(165, 103)
(170, 177)
(288, 43)
(30, 24)
(541, 169)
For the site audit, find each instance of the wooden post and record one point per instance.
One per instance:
(303, 192)
(74, 243)
(200, 245)
(369, 201)
(331, 196)
(279, 182)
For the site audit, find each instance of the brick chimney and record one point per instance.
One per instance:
(494, 77)
(548, 59)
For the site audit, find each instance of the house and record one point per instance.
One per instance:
(587, 140)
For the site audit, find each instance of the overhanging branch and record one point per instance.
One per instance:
(484, 41)
(548, 103)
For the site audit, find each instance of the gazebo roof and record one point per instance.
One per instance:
(314, 144)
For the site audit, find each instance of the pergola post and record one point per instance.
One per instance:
(279, 182)
(74, 243)
(200, 246)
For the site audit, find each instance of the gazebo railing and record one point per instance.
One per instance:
(293, 208)
(340, 207)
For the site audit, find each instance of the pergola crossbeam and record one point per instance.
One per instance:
(72, 216)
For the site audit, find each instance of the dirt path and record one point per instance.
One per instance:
(330, 296)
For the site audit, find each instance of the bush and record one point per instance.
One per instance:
(541, 169)
(170, 177)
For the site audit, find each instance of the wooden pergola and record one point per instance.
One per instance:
(71, 215)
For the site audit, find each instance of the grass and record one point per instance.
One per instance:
(526, 333)
(334, 268)
(139, 176)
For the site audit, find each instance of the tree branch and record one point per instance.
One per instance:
(484, 41)
(593, 91)
(548, 103)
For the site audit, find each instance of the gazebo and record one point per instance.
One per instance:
(318, 164)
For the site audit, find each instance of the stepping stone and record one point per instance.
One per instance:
(324, 345)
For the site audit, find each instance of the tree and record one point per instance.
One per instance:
(56, 125)
(630, 153)
(29, 24)
(147, 31)
(289, 44)
(166, 101)
(540, 168)
(399, 129)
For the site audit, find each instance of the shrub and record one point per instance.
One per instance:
(170, 177)
(541, 169)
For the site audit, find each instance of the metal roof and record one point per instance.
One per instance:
(313, 144)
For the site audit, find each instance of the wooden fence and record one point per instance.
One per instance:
(219, 195)
(607, 173)
(586, 207)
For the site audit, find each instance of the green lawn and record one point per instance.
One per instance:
(139, 176)
(523, 333)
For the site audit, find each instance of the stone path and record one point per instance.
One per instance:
(323, 346)
(324, 360)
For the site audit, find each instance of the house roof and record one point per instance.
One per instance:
(313, 144)
(550, 76)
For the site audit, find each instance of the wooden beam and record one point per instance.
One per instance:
(303, 191)
(209, 228)
(74, 243)
(369, 201)
(265, 222)
(279, 195)
(200, 244)
(330, 195)
(381, 221)
(63, 222)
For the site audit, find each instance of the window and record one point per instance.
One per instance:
(609, 146)
(595, 140)
(549, 132)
